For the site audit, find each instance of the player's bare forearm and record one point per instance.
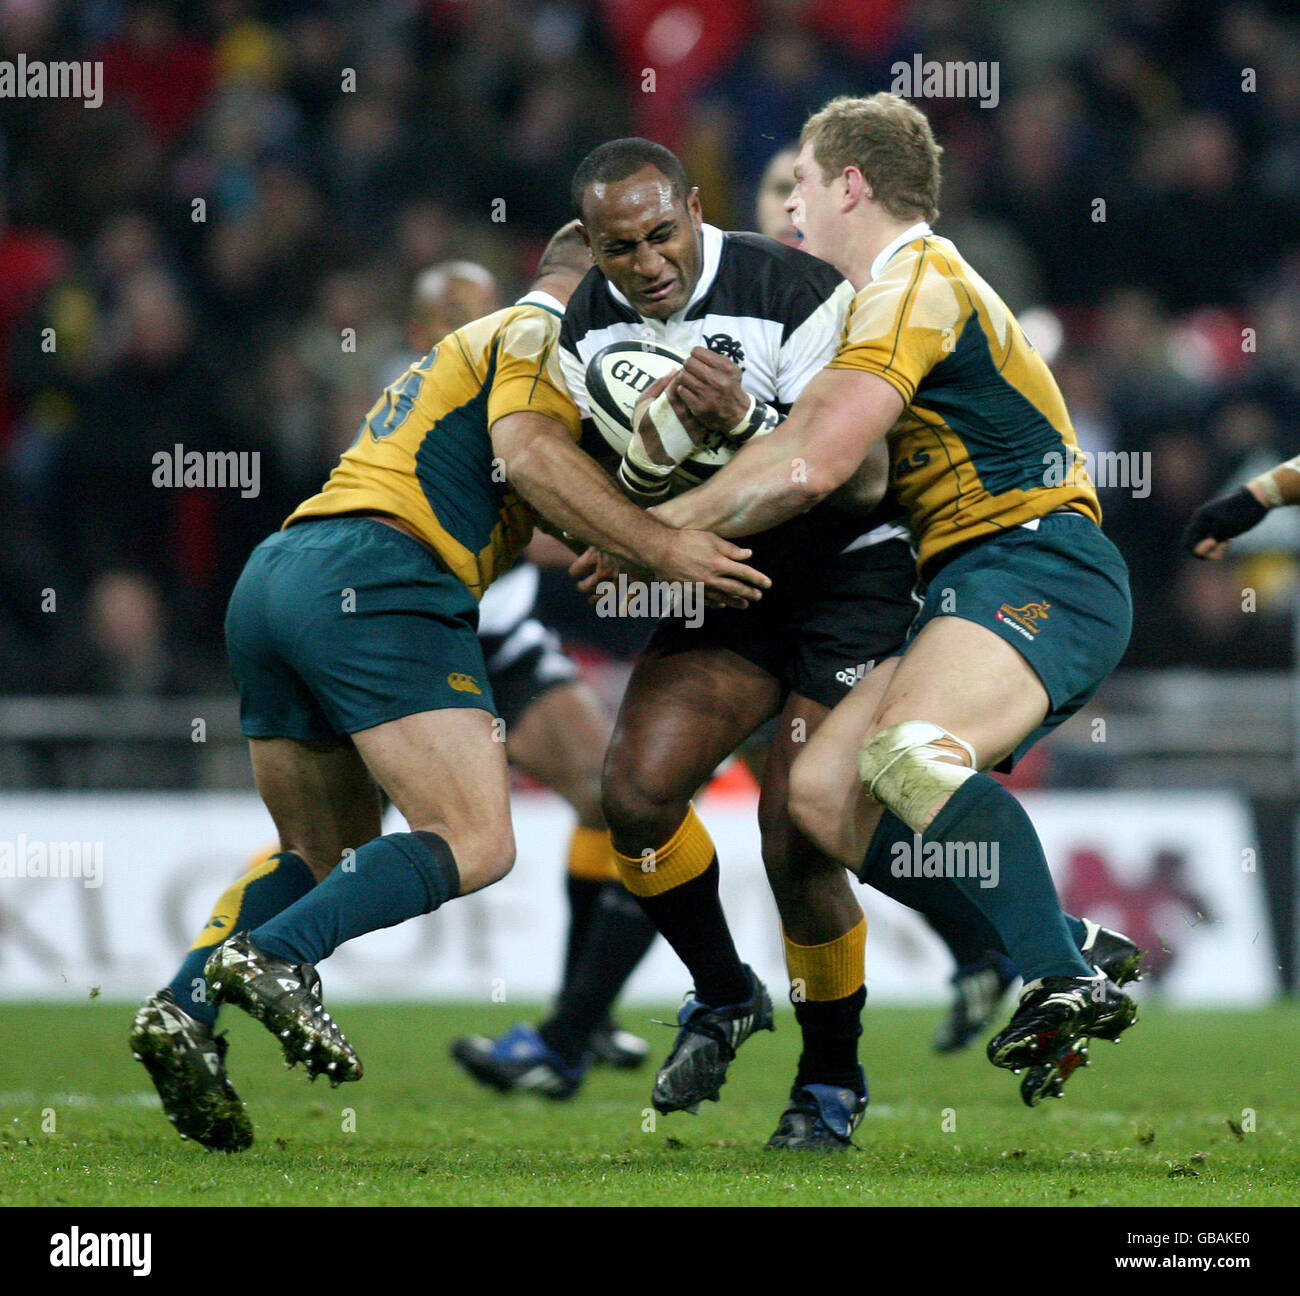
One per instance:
(1279, 486)
(550, 547)
(570, 489)
(760, 488)
(572, 492)
(834, 424)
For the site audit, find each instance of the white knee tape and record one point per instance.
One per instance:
(904, 769)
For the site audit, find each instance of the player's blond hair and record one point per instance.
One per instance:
(889, 140)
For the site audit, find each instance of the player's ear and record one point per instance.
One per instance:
(856, 188)
(694, 207)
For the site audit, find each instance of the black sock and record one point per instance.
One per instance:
(831, 1030)
(691, 919)
(583, 893)
(617, 938)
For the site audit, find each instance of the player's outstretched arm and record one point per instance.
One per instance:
(568, 487)
(838, 417)
(1228, 516)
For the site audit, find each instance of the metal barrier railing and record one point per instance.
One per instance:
(1144, 728)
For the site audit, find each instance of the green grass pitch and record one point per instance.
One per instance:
(1193, 1108)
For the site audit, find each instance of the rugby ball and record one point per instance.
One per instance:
(617, 377)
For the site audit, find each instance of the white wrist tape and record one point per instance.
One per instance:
(1267, 482)
(673, 436)
(759, 419)
(639, 473)
(1272, 492)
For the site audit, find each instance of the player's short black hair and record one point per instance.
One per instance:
(617, 159)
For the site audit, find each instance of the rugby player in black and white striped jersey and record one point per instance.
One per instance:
(757, 320)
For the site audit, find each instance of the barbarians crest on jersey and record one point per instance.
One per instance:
(725, 344)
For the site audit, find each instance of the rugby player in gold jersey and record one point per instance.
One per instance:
(1026, 607)
(351, 635)
(556, 732)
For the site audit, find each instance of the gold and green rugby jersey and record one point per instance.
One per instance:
(984, 441)
(424, 453)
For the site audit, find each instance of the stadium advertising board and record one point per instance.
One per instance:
(103, 893)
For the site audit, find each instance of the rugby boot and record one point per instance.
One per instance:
(285, 998)
(707, 1040)
(1112, 953)
(1055, 1016)
(1046, 1079)
(979, 987)
(1120, 959)
(820, 1118)
(518, 1061)
(187, 1065)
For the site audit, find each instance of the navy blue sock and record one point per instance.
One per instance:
(1022, 904)
(961, 926)
(259, 894)
(391, 879)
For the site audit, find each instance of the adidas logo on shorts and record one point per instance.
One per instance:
(855, 673)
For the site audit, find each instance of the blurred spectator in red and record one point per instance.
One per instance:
(161, 71)
(30, 261)
(669, 49)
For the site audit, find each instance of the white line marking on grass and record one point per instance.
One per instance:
(29, 1098)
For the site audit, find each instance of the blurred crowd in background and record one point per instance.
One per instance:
(262, 177)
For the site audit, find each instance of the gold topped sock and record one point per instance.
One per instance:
(832, 970)
(683, 857)
(591, 855)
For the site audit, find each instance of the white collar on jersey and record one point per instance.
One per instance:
(542, 299)
(708, 273)
(919, 230)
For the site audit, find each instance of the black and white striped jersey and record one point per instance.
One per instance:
(507, 627)
(778, 313)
